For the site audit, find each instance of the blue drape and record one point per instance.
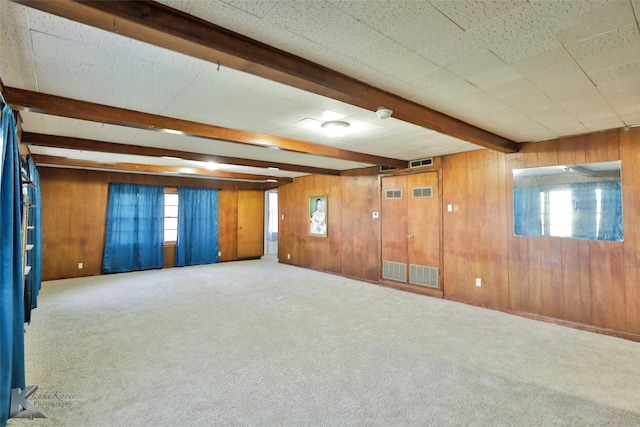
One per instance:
(610, 226)
(34, 237)
(197, 226)
(526, 210)
(583, 224)
(135, 225)
(12, 374)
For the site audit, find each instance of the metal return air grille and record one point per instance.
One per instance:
(394, 271)
(424, 276)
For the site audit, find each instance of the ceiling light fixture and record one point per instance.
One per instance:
(335, 128)
(384, 113)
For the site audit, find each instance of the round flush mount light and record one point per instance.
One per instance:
(384, 113)
(335, 128)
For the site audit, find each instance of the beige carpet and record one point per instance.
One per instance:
(265, 344)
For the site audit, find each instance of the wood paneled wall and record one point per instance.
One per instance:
(579, 281)
(595, 284)
(351, 245)
(74, 209)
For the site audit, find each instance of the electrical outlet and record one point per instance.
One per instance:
(219, 253)
(288, 256)
(478, 282)
(80, 266)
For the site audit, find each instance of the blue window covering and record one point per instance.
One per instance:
(12, 373)
(583, 224)
(134, 237)
(34, 237)
(610, 226)
(197, 226)
(526, 208)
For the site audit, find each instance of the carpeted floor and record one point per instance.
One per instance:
(266, 344)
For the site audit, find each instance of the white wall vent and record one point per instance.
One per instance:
(422, 192)
(395, 193)
(394, 271)
(421, 163)
(424, 276)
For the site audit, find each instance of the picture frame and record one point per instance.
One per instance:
(318, 216)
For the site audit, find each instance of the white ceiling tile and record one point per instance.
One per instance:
(471, 13)
(433, 79)
(65, 78)
(511, 87)
(524, 45)
(484, 71)
(16, 57)
(256, 8)
(382, 52)
(628, 73)
(455, 49)
(323, 23)
(544, 61)
(573, 21)
(617, 47)
(411, 23)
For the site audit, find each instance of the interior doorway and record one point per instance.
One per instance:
(271, 222)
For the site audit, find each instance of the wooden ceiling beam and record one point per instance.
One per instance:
(54, 141)
(43, 103)
(162, 26)
(42, 160)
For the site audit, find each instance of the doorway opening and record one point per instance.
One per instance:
(271, 222)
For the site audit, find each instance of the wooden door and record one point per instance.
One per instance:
(411, 229)
(250, 224)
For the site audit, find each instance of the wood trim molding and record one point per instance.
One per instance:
(75, 109)
(54, 141)
(589, 328)
(162, 26)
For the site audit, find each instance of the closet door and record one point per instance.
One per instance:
(394, 228)
(411, 229)
(250, 224)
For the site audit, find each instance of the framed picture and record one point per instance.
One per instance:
(318, 216)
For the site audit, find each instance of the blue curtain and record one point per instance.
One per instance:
(34, 237)
(197, 226)
(583, 224)
(12, 374)
(526, 210)
(610, 226)
(135, 226)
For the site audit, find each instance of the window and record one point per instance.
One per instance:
(170, 215)
(577, 201)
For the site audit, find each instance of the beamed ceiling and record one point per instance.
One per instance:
(177, 86)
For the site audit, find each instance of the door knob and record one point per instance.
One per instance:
(409, 236)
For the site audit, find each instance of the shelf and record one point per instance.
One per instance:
(29, 247)
(31, 227)
(27, 269)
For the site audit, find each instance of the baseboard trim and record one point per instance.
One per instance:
(575, 325)
(437, 293)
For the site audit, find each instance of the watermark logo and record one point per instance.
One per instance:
(21, 407)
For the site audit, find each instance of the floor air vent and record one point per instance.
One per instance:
(394, 271)
(424, 276)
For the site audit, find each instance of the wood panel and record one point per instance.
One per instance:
(394, 219)
(250, 224)
(228, 225)
(74, 209)
(588, 282)
(360, 231)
